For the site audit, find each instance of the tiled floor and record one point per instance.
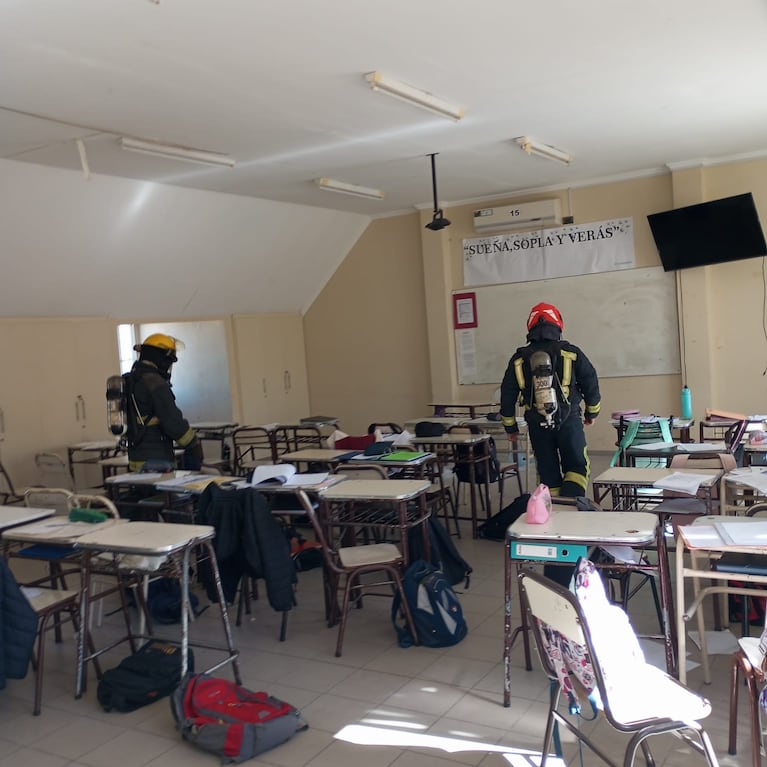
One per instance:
(408, 699)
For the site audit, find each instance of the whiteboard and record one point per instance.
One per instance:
(625, 322)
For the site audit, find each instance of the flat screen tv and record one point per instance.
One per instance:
(708, 233)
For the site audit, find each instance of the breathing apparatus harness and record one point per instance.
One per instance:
(545, 394)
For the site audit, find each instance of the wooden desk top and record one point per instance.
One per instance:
(376, 490)
(313, 454)
(10, 516)
(147, 538)
(452, 439)
(627, 528)
(450, 403)
(58, 530)
(95, 446)
(629, 475)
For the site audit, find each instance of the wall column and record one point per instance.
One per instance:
(438, 287)
(693, 303)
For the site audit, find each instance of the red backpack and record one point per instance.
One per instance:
(224, 718)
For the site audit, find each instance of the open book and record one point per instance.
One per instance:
(284, 474)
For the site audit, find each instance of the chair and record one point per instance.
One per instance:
(748, 661)
(55, 556)
(366, 471)
(250, 543)
(345, 568)
(637, 431)
(461, 472)
(49, 603)
(27, 612)
(8, 493)
(362, 471)
(54, 471)
(252, 446)
(737, 564)
(385, 428)
(508, 469)
(680, 507)
(96, 502)
(582, 641)
(56, 498)
(291, 437)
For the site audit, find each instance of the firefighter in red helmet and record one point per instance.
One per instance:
(551, 379)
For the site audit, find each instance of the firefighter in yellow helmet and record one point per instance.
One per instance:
(155, 422)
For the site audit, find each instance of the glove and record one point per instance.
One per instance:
(588, 421)
(193, 455)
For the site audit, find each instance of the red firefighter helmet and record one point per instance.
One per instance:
(545, 313)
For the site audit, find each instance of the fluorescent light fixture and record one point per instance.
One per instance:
(411, 95)
(176, 152)
(543, 150)
(331, 185)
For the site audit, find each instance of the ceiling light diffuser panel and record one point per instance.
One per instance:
(331, 185)
(415, 96)
(173, 152)
(543, 150)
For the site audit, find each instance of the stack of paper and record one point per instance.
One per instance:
(683, 482)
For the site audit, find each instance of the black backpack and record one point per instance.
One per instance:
(429, 429)
(153, 672)
(495, 527)
(462, 470)
(444, 554)
(164, 600)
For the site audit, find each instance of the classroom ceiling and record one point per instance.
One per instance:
(279, 86)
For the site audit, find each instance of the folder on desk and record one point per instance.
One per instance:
(403, 455)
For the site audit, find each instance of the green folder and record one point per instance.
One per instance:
(402, 455)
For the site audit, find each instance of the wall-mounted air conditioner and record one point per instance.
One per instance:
(525, 215)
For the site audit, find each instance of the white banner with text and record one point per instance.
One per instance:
(600, 246)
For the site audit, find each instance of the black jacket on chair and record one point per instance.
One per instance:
(18, 627)
(249, 543)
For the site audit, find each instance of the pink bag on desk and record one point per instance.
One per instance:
(538, 506)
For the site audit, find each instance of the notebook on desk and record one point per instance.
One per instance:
(403, 455)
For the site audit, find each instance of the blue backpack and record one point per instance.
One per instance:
(436, 611)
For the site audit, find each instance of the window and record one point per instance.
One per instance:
(126, 338)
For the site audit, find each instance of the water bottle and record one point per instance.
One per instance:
(686, 403)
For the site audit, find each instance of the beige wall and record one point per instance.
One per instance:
(366, 346)
(724, 345)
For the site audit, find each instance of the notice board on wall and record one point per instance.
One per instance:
(625, 321)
